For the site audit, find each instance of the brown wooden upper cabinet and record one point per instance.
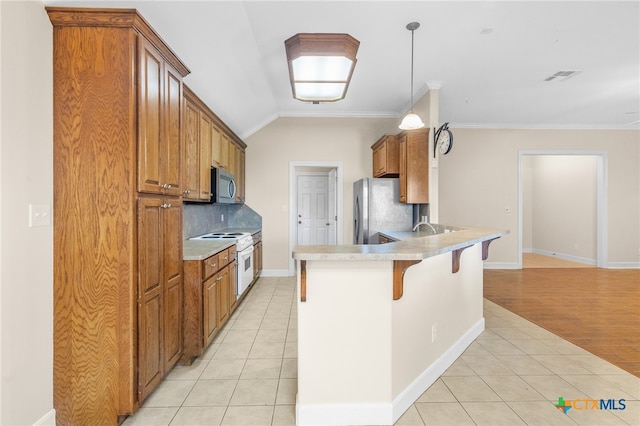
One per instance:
(405, 155)
(207, 143)
(414, 166)
(385, 157)
(191, 149)
(198, 133)
(159, 122)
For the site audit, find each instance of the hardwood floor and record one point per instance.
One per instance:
(596, 309)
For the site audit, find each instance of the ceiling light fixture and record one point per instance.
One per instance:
(411, 121)
(321, 65)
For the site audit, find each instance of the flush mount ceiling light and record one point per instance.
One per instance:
(411, 121)
(321, 65)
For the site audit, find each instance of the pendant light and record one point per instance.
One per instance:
(411, 121)
(321, 65)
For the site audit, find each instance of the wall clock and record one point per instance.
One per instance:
(443, 140)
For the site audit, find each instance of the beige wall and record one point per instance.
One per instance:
(270, 151)
(26, 254)
(564, 206)
(479, 179)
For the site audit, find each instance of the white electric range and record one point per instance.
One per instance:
(244, 255)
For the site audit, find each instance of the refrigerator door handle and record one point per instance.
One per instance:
(356, 218)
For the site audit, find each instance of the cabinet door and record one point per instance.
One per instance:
(159, 100)
(224, 151)
(403, 168)
(210, 309)
(205, 156)
(170, 140)
(216, 146)
(233, 267)
(232, 158)
(173, 281)
(191, 152)
(223, 295)
(416, 163)
(150, 294)
(240, 179)
(385, 157)
(378, 161)
(150, 108)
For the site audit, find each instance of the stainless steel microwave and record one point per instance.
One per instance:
(223, 187)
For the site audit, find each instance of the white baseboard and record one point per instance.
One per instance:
(386, 413)
(623, 265)
(275, 273)
(343, 414)
(48, 419)
(499, 265)
(564, 256)
(408, 396)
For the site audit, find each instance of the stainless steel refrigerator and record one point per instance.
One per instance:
(376, 208)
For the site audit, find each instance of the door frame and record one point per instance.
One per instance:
(601, 200)
(293, 196)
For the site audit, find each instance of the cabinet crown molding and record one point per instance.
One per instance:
(115, 18)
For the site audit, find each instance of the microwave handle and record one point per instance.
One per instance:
(232, 188)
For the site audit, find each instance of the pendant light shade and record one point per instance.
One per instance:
(411, 121)
(320, 65)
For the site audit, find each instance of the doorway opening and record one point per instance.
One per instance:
(562, 207)
(315, 204)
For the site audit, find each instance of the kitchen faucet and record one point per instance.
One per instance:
(425, 223)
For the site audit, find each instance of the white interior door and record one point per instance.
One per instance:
(312, 214)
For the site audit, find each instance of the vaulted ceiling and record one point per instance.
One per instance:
(489, 59)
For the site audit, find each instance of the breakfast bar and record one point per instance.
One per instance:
(378, 324)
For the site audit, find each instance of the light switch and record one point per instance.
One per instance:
(39, 215)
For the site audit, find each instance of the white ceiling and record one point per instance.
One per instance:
(235, 50)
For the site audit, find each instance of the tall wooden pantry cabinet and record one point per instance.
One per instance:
(118, 295)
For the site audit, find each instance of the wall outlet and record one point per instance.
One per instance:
(222, 217)
(434, 332)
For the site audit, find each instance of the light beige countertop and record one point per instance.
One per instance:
(201, 249)
(410, 245)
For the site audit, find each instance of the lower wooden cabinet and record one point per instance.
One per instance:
(209, 300)
(160, 292)
(257, 254)
(210, 309)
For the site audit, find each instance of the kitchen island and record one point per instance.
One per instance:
(378, 324)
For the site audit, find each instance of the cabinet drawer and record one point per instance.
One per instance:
(232, 253)
(223, 257)
(211, 265)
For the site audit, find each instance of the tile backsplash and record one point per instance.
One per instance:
(198, 219)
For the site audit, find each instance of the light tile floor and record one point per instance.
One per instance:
(511, 375)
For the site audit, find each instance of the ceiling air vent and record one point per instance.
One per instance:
(561, 75)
